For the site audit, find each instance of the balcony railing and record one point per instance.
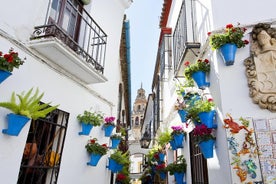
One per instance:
(91, 42)
(182, 42)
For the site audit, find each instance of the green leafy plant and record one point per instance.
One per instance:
(202, 133)
(230, 34)
(93, 118)
(10, 60)
(93, 146)
(199, 65)
(181, 87)
(120, 157)
(116, 136)
(164, 138)
(29, 105)
(178, 166)
(204, 105)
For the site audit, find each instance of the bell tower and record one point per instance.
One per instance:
(137, 116)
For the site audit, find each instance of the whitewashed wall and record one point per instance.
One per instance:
(73, 98)
(228, 84)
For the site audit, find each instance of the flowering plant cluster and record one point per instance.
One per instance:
(93, 118)
(202, 133)
(120, 177)
(204, 105)
(161, 167)
(177, 130)
(109, 121)
(230, 34)
(10, 60)
(199, 65)
(94, 147)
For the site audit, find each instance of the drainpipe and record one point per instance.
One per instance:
(126, 26)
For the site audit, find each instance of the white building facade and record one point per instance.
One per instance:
(80, 71)
(184, 37)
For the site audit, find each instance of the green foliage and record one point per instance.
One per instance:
(28, 105)
(204, 105)
(164, 138)
(180, 88)
(199, 65)
(94, 147)
(120, 157)
(231, 34)
(96, 119)
(179, 166)
(116, 136)
(10, 61)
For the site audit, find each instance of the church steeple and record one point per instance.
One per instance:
(137, 116)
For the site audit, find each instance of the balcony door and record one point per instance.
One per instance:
(67, 15)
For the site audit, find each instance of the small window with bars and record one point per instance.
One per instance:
(40, 162)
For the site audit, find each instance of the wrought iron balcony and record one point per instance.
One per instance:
(78, 44)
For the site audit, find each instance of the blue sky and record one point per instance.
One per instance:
(144, 17)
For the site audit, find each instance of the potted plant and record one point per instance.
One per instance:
(197, 71)
(164, 138)
(122, 178)
(8, 62)
(228, 41)
(108, 125)
(205, 111)
(115, 140)
(88, 120)
(205, 139)
(177, 135)
(161, 170)
(178, 169)
(117, 160)
(95, 150)
(28, 107)
(181, 87)
(181, 107)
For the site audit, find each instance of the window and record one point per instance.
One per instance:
(43, 150)
(198, 163)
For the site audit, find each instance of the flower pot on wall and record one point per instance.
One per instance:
(178, 140)
(162, 175)
(115, 143)
(200, 79)
(172, 143)
(86, 128)
(206, 148)
(108, 130)
(94, 159)
(207, 118)
(15, 124)
(4, 75)
(161, 157)
(182, 113)
(179, 177)
(228, 52)
(114, 166)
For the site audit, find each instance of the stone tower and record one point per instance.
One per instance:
(137, 116)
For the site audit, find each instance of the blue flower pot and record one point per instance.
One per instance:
(115, 143)
(94, 159)
(4, 75)
(179, 177)
(178, 140)
(228, 53)
(15, 124)
(86, 128)
(172, 143)
(108, 130)
(206, 148)
(182, 113)
(162, 175)
(114, 166)
(207, 118)
(200, 79)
